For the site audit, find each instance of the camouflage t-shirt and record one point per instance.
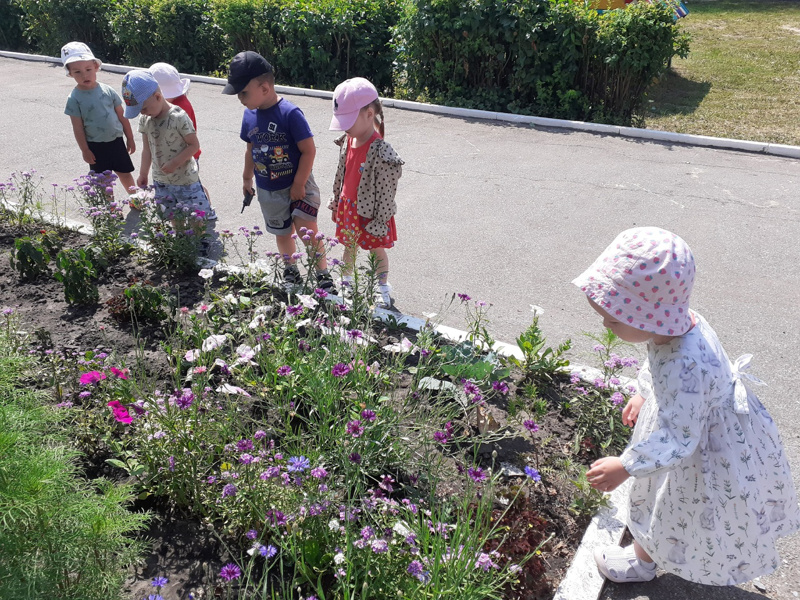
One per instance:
(165, 136)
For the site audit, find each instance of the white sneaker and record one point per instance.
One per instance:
(386, 301)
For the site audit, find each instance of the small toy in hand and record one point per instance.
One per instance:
(248, 198)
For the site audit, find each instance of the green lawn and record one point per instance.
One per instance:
(742, 77)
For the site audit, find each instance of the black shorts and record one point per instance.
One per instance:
(111, 156)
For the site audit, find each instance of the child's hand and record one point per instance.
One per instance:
(631, 411)
(141, 181)
(607, 474)
(247, 186)
(88, 157)
(169, 167)
(297, 192)
(131, 145)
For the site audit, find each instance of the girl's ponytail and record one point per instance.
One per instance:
(378, 108)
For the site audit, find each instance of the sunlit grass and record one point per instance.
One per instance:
(742, 77)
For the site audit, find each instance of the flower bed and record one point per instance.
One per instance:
(290, 442)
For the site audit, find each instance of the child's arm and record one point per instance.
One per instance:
(249, 170)
(307, 153)
(126, 128)
(631, 411)
(144, 169)
(192, 146)
(80, 137)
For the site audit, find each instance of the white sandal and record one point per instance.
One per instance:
(621, 565)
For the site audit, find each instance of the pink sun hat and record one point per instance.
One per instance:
(349, 98)
(644, 279)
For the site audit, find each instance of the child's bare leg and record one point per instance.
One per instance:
(286, 246)
(382, 264)
(640, 552)
(349, 260)
(314, 245)
(126, 179)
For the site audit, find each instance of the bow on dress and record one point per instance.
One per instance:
(740, 378)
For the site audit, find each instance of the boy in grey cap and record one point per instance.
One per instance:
(170, 142)
(97, 119)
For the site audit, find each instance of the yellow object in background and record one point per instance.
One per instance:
(608, 4)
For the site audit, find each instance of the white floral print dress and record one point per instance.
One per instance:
(712, 489)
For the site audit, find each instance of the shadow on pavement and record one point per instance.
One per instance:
(672, 587)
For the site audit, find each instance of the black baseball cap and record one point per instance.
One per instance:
(244, 67)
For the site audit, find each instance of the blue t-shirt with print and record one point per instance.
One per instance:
(274, 133)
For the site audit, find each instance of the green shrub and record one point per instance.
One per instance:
(11, 37)
(180, 32)
(49, 24)
(554, 58)
(78, 274)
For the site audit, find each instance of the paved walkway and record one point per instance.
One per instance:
(510, 214)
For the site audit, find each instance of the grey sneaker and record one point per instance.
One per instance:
(383, 297)
(291, 275)
(211, 215)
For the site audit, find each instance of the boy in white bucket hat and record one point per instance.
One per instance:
(95, 110)
(175, 90)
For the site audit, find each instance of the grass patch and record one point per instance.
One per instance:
(60, 536)
(742, 77)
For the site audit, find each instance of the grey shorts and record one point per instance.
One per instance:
(171, 195)
(279, 209)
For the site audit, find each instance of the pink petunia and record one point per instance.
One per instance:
(120, 412)
(121, 373)
(92, 377)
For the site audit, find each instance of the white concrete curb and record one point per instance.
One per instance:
(469, 113)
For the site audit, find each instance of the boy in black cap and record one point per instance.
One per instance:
(280, 154)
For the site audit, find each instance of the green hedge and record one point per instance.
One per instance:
(553, 58)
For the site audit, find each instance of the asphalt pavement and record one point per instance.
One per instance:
(510, 214)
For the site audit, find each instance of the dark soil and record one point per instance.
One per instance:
(187, 551)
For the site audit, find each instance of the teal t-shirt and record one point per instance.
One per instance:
(96, 107)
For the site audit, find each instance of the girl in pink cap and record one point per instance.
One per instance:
(712, 490)
(363, 202)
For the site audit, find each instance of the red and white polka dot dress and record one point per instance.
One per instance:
(349, 225)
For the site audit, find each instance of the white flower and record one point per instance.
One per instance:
(401, 529)
(258, 321)
(206, 273)
(213, 342)
(333, 525)
(537, 310)
(338, 558)
(307, 300)
(191, 355)
(227, 388)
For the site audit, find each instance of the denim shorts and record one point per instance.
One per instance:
(279, 209)
(191, 194)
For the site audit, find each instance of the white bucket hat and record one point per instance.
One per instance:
(169, 80)
(644, 279)
(75, 51)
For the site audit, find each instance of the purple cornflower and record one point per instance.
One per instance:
(304, 346)
(320, 293)
(530, 425)
(500, 386)
(340, 369)
(228, 490)
(252, 534)
(246, 459)
(355, 428)
(185, 399)
(294, 311)
(464, 298)
(471, 388)
(477, 474)
(284, 371)
(159, 582)
(259, 435)
(380, 546)
(276, 518)
(617, 398)
(368, 415)
(484, 562)
(355, 334)
(298, 464)
(574, 378)
(268, 551)
(441, 437)
(230, 572)
(319, 473)
(533, 473)
(417, 569)
(355, 457)
(244, 445)
(367, 533)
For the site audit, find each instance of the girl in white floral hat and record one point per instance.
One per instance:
(712, 489)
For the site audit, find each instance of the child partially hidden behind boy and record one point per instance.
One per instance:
(97, 118)
(170, 142)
